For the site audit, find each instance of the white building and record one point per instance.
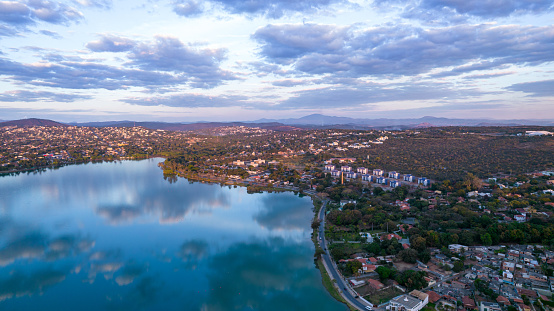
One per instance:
(415, 301)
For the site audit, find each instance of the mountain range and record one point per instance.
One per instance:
(310, 121)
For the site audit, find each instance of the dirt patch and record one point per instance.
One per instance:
(403, 266)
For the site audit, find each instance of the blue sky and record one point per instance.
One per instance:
(233, 60)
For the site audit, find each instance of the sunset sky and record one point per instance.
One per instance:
(236, 60)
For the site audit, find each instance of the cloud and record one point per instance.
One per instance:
(129, 273)
(290, 82)
(199, 66)
(189, 101)
(402, 50)
(110, 43)
(490, 9)
(534, 89)
(267, 8)
(20, 284)
(102, 4)
(52, 34)
(188, 8)
(119, 214)
(35, 245)
(34, 96)
(192, 252)
(31, 245)
(15, 13)
(275, 273)
(289, 41)
(154, 200)
(277, 213)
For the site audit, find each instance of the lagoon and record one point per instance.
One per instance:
(118, 236)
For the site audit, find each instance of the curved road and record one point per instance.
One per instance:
(345, 290)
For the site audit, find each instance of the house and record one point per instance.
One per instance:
(390, 236)
(381, 180)
(378, 172)
(489, 306)
(409, 302)
(409, 178)
(329, 167)
(457, 248)
(362, 170)
(344, 202)
(335, 173)
(433, 297)
(394, 175)
(468, 303)
(375, 284)
(520, 218)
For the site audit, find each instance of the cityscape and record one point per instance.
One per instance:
(269, 155)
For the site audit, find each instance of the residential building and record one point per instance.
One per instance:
(489, 306)
(346, 168)
(411, 302)
(378, 172)
(394, 175)
(409, 178)
(362, 170)
(367, 177)
(329, 167)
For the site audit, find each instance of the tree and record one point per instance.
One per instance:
(354, 266)
(486, 239)
(412, 279)
(408, 255)
(385, 272)
(458, 266)
(316, 223)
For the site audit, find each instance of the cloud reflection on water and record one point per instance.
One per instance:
(19, 284)
(280, 212)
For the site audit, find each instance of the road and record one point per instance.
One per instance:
(346, 292)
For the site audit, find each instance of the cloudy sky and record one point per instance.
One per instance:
(190, 60)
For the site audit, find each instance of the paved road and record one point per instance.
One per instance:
(347, 293)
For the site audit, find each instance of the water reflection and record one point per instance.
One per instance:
(19, 284)
(36, 245)
(282, 212)
(94, 231)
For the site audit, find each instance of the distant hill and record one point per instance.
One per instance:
(31, 122)
(314, 121)
(326, 121)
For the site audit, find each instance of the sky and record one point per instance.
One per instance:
(239, 60)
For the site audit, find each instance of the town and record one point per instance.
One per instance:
(413, 219)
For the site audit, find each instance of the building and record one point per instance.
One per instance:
(335, 173)
(394, 183)
(415, 301)
(367, 177)
(381, 180)
(457, 248)
(351, 175)
(378, 172)
(362, 170)
(346, 168)
(329, 167)
(394, 175)
(409, 178)
(424, 181)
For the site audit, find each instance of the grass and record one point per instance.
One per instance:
(383, 295)
(330, 286)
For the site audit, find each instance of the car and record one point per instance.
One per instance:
(367, 307)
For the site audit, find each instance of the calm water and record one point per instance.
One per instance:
(117, 236)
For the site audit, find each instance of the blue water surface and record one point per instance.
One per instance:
(118, 236)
